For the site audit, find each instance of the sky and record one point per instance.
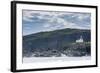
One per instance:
(41, 21)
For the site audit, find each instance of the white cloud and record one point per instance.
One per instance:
(46, 25)
(27, 15)
(60, 24)
(81, 16)
(54, 21)
(42, 15)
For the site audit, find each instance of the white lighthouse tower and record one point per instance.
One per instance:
(80, 40)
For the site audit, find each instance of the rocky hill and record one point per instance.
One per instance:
(55, 41)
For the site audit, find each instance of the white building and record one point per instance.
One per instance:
(80, 40)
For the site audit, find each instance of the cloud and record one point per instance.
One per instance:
(59, 23)
(46, 25)
(28, 14)
(82, 16)
(50, 20)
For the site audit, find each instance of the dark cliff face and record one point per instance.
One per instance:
(54, 39)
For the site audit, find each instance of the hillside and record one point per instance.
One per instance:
(53, 40)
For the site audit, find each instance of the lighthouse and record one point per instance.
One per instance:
(80, 40)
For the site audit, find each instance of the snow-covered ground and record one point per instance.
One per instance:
(51, 59)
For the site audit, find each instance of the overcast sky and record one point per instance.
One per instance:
(40, 21)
